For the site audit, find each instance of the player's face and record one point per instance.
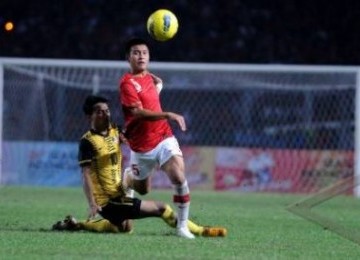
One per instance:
(139, 58)
(101, 116)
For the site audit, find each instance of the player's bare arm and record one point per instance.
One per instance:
(151, 115)
(87, 186)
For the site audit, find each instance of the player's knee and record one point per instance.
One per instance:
(176, 177)
(179, 181)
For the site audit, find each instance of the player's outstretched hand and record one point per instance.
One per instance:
(179, 119)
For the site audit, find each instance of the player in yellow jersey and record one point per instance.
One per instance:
(100, 161)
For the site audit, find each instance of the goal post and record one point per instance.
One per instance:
(357, 137)
(277, 128)
(1, 118)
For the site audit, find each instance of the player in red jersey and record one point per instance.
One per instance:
(149, 134)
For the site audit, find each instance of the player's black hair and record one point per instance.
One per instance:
(132, 42)
(92, 100)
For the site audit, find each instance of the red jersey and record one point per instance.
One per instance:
(143, 135)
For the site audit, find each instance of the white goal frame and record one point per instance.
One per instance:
(200, 67)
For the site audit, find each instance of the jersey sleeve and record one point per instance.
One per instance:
(128, 95)
(86, 152)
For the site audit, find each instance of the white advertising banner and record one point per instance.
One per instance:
(40, 163)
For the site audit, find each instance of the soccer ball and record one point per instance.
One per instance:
(162, 25)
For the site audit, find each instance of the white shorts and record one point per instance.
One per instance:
(143, 164)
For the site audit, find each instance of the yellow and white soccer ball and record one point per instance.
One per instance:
(162, 25)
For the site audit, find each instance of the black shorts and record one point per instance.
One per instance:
(119, 209)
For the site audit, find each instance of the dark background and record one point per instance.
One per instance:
(231, 31)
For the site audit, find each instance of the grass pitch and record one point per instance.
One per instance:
(259, 227)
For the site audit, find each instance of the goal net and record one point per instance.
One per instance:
(250, 128)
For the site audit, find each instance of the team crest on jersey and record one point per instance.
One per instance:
(137, 86)
(115, 140)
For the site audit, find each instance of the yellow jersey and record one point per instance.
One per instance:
(103, 155)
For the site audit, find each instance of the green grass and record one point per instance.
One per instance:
(258, 225)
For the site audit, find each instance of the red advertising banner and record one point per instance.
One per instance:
(280, 170)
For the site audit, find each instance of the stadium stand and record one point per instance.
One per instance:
(232, 31)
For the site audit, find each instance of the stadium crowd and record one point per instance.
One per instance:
(232, 31)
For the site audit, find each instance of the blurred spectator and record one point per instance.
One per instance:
(232, 31)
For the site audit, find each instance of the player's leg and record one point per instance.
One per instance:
(104, 225)
(119, 212)
(151, 208)
(170, 218)
(138, 175)
(174, 168)
(169, 156)
(99, 225)
(127, 182)
(147, 209)
(142, 186)
(163, 210)
(172, 163)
